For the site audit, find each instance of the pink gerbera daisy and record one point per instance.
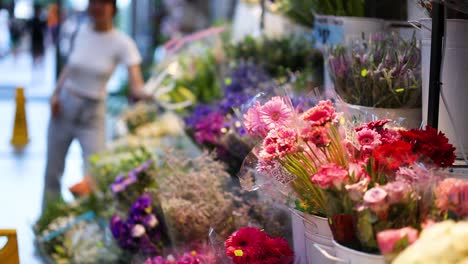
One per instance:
(275, 113)
(252, 122)
(368, 139)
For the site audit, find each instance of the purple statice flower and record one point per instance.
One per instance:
(208, 130)
(233, 100)
(246, 79)
(198, 114)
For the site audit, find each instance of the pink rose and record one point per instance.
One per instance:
(357, 190)
(396, 191)
(376, 200)
(331, 175)
(321, 114)
(388, 239)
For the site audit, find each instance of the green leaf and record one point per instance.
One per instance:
(401, 244)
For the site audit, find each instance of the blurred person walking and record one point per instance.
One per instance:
(53, 20)
(37, 27)
(78, 102)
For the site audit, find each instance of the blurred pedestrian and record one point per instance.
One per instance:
(37, 27)
(53, 20)
(78, 102)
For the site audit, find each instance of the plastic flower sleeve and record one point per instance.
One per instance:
(383, 71)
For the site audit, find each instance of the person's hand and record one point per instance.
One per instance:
(55, 105)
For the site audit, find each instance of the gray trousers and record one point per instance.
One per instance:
(82, 119)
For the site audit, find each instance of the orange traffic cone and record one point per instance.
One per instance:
(9, 253)
(20, 130)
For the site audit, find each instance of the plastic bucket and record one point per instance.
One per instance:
(406, 117)
(317, 231)
(454, 80)
(350, 256)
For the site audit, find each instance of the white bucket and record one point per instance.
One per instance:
(277, 26)
(317, 231)
(246, 21)
(406, 117)
(334, 30)
(454, 79)
(298, 230)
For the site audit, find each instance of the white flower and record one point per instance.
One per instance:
(152, 221)
(138, 230)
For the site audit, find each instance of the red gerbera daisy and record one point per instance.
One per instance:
(245, 245)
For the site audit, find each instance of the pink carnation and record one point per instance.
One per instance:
(317, 135)
(321, 114)
(368, 139)
(275, 113)
(252, 122)
(279, 143)
(388, 239)
(331, 175)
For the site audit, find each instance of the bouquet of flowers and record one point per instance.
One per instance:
(73, 232)
(384, 72)
(197, 195)
(295, 144)
(280, 57)
(365, 179)
(250, 245)
(217, 127)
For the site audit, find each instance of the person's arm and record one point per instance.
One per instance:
(137, 83)
(55, 98)
(61, 80)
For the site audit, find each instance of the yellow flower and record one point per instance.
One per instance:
(238, 253)
(364, 73)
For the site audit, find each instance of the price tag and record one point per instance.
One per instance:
(328, 31)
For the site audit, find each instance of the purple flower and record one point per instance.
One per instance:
(200, 112)
(141, 206)
(208, 130)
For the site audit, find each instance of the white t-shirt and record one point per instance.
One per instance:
(94, 58)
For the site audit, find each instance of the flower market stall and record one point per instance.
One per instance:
(244, 156)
